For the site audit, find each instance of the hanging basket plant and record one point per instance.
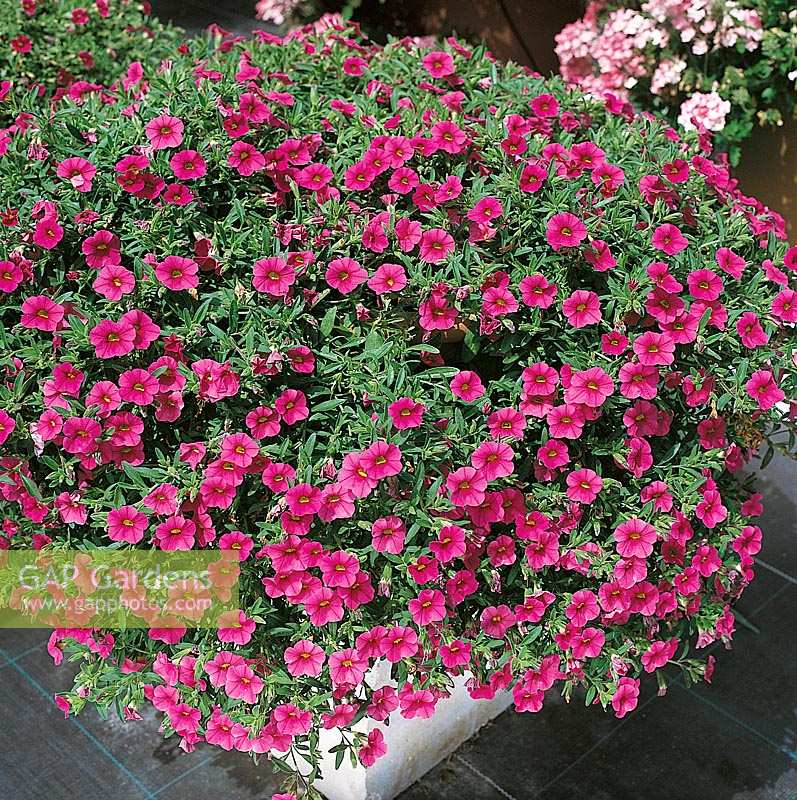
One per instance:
(231, 306)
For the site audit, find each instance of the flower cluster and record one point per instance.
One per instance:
(461, 365)
(719, 65)
(75, 48)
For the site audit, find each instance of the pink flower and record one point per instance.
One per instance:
(584, 485)
(406, 413)
(545, 105)
(467, 386)
(448, 136)
(388, 278)
(239, 449)
(403, 180)
(710, 510)
(48, 233)
(486, 210)
(303, 499)
(126, 524)
(582, 608)
(178, 273)
(435, 245)
(588, 643)
(466, 486)
(112, 339)
(339, 568)
(164, 131)
(635, 537)
(188, 165)
(750, 331)
(273, 276)
(730, 262)
(456, 654)
(138, 386)
(373, 749)
(10, 276)
(763, 388)
(388, 535)
(323, 606)
(591, 387)
(532, 178)
(41, 313)
(291, 405)
(314, 177)
(242, 684)
(582, 308)
(784, 306)
(234, 627)
(498, 301)
(345, 274)
(113, 282)
(565, 421)
(291, 720)
(501, 551)
(536, 292)
(493, 460)
(553, 454)
(436, 314)
(81, 435)
(347, 667)
(450, 544)
(495, 621)
(658, 654)
(439, 64)
(162, 499)
(420, 703)
(78, 172)
(428, 607)
(399, 643)
(704, 284)
(382, 460)
(506, 423)
(565, 230)
(638, 380)
(626, 696)
(246, 159)
(177, 195)
(669, 239)
(654, 349)
(304, 658)
(359, 177)
(7, 426)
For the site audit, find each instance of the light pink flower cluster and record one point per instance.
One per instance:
(615, 49)
(704, 108)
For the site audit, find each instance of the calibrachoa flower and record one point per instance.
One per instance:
(77, 48)
(441, 362)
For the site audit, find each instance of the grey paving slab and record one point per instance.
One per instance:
(223, 775)
(778, 484)
(45, 757)
(681, 749)
(14, 642)
(454, 779)
(139, 747)
(754, 684)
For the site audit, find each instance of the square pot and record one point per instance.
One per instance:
(414, 746)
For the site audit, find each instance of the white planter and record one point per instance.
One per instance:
(414, 746)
